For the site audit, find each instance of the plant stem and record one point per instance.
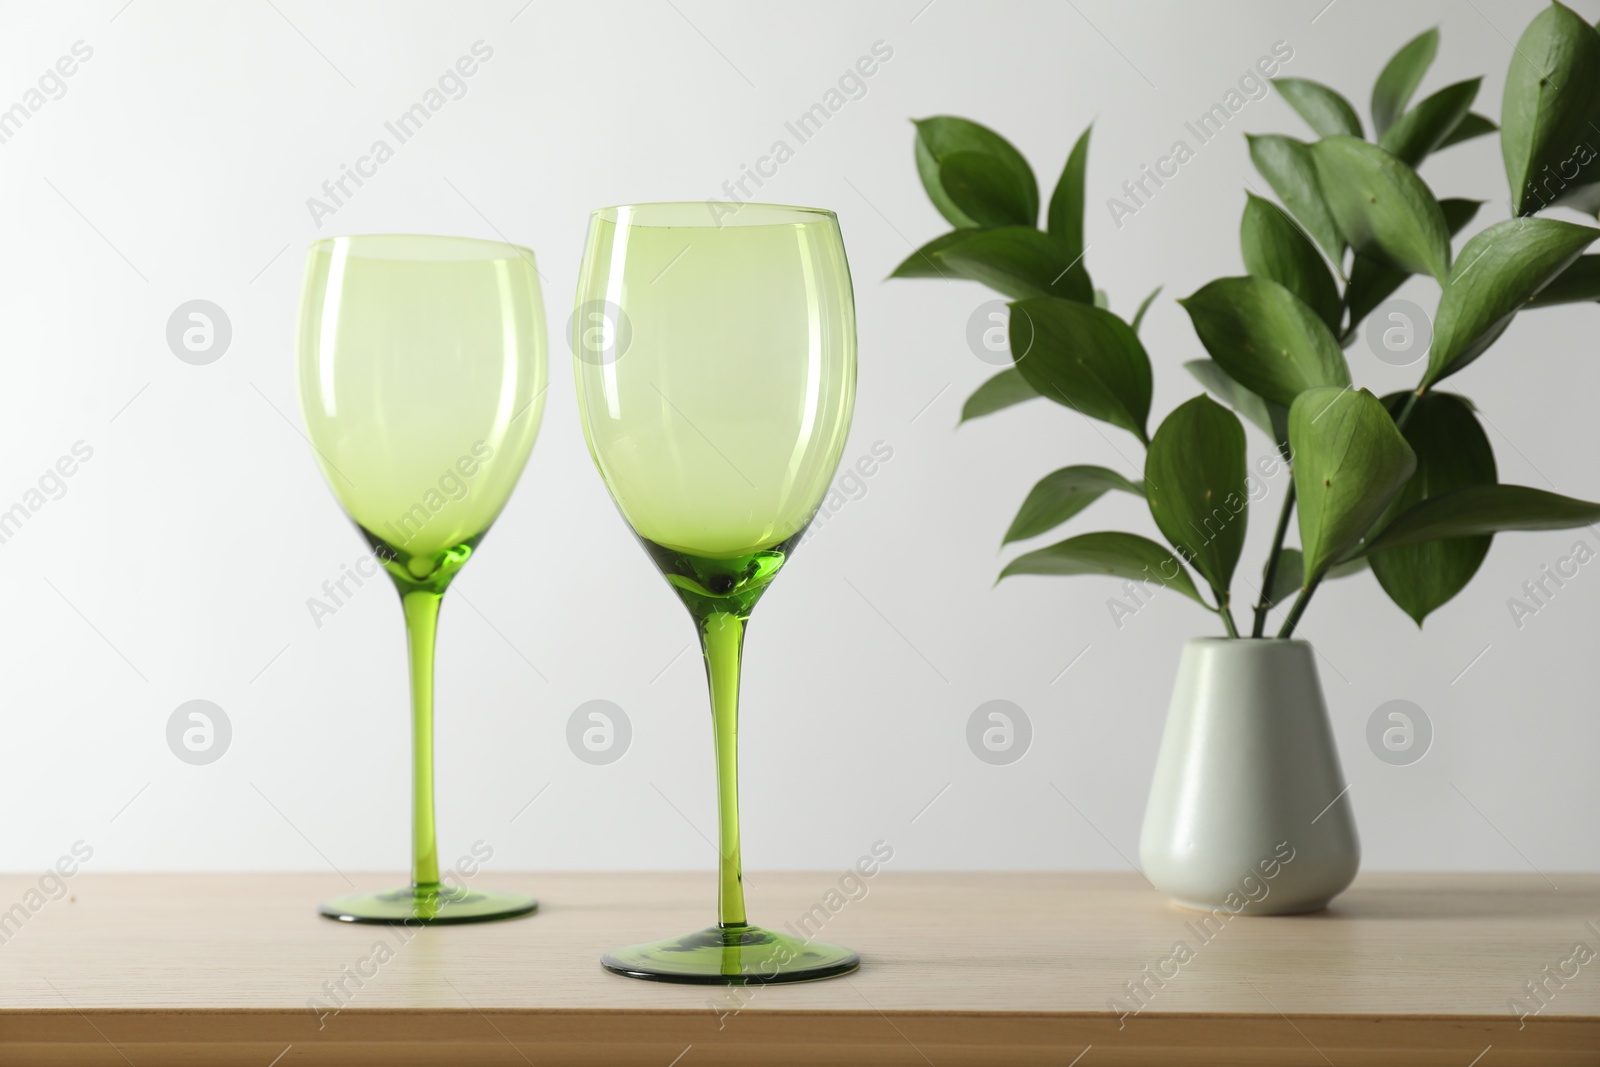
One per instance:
(422, 624)
(1299, 609)
(1304, 598)
(722, 641)
(1227, 616)
(1405, 411)
(1265, 604)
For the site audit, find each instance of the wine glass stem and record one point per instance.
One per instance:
(422, 622)
(722, 640)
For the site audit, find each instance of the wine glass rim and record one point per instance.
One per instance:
(433, 240)
(717, 214)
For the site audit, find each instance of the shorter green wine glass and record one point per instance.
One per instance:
(422, 379)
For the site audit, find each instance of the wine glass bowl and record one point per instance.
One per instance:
(422, 373)
(715, 362)
(740, 330)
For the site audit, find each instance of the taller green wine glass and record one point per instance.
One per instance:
(422, 380)
(715, 355)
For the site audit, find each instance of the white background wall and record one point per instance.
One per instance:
(179, 562)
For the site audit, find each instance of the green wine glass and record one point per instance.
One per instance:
(422, 379)
(716, 361)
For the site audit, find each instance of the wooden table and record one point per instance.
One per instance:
(990, 969)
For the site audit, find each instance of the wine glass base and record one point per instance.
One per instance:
(733, 955)
(429, 906)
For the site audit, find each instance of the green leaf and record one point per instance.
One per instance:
(1552, 96)
(1457, 213)
(925, 262)
(1064, 220)
(1273, 419)
(1381, 207)
(1400, 78)
(1498, 271)
(1266, 338)
(1020, 262)
(986, 191)
(1452, 452)
(1084, 357)
(1123, 555)
(1194, 477)
(1484, 509)
(1102, 300)
(1347, 567)
(1580, 282)
(1286, 165)
(1349, 462)
(944, 136)
(1276, 249)
(1427, 126)
(1372, 282)
(1144, 305)
(1060, 495)
(1002, 391)
(1287, 579)
(1326, 111)
(1472, 125)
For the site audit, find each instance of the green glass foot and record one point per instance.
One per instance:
(732, 955)
(429, 905)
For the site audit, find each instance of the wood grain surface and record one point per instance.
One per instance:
(958, 969)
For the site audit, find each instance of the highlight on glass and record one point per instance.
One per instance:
(422, 376)
(716, 363)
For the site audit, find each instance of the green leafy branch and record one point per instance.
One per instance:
(1406, 485)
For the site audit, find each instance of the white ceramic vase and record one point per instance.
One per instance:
(1249, 810)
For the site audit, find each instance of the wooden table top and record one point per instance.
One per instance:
(992, 968)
